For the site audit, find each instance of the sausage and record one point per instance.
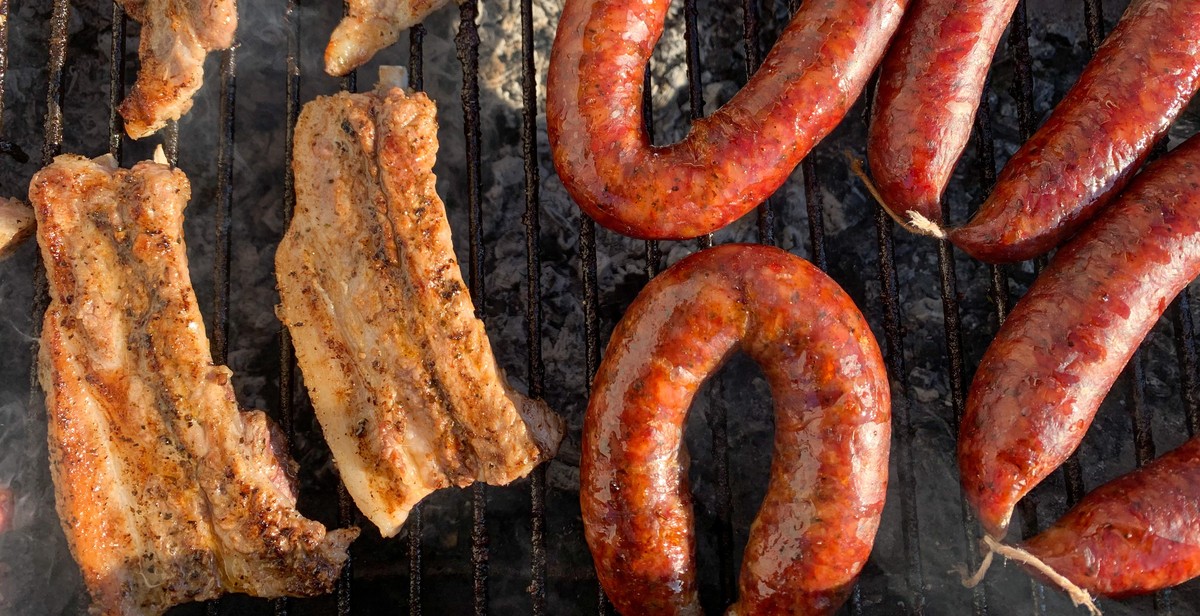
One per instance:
(930, 85)
(730, 161)
(1136, 534)
(832, 428)
(1059, 352)
(1139, 81)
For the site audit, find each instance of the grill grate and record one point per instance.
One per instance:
(468, 47)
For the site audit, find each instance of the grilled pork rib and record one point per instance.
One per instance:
(167, 492)
(400, 371)
(176, 36)
(371, 25)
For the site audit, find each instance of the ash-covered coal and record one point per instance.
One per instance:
(37, 575)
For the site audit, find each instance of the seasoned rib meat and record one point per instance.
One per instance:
(166, 491)
(176, 35)
(400, 371)
(16, 225)
(371, 25)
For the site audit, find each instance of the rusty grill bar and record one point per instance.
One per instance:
(467, 43)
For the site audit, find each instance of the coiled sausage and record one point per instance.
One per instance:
(1043, 377)
(832, 428)
(732, 160)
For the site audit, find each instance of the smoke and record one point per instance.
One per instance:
(36, 573)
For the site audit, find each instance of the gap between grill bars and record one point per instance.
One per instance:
(468, 46)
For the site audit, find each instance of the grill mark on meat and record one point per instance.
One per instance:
(399, 369)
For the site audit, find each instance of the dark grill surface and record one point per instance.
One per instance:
(550, 285)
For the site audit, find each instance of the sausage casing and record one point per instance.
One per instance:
(929, 88)
(1139, 81)
(832, 428)
(732, 160)
(1055, 358)
(1136, 534)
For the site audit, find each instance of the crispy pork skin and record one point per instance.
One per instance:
(400, 371)
(166, 491)
(176, 36)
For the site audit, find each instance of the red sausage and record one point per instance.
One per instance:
(832, 427)
(1057, 355)
(929, 88)
(732, 160)
(1136, 534)
(1098, 136)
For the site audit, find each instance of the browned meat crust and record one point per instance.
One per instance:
(371, 25)
(176, 35)
(400, 371)
(166, 491)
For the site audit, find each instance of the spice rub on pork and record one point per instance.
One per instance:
(167, 492)
(400, 371)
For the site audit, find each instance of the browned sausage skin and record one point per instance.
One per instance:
(1098, 136)
(829, 471)
(1043, 377)
(1136, 534)
(1095, 140)
(732, 160)
(929, 88)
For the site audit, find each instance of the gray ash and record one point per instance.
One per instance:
(37, 575)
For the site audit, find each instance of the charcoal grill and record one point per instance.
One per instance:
(519, 549)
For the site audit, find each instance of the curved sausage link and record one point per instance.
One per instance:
(732, 160)
(1043, 377)
(1136, 534)
(832, 427)
(1098, 136)
(930, 85)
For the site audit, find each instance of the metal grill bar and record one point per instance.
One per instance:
(1093, 19)
(170, 135)
(52, 132)
(224, 199)
(415, 523)
(1022, 91)
(719, 420)
(3, 57)
(416, 57)
(591, 330)
(889, 283)
(986, 151)
(287, 353)
(953, 331)
(116, 80)
(1185, 348)
(750, 38)
(52, 126)
(222, 223)
(533, 299)
(346, 508)
(6, 146)
(653, 250)
(691, 38)
(1018, 44)
(467, 43)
